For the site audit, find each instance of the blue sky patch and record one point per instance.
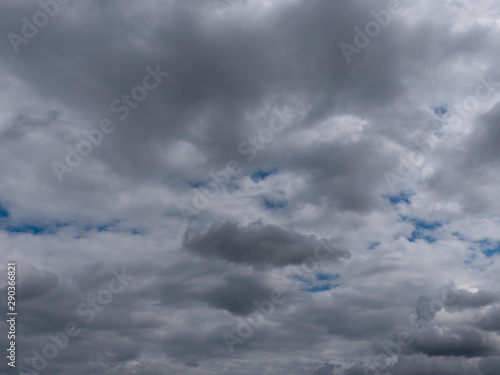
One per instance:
(423, 229)
(30, 228)
(421, 235)
(3, 212)
(35, 227)
(427, 225)
(198, 184)
(202, 184)
(326, 276)
(262, 174)
(320, 288)
(441, 111)
(489, 248)
(315, 287)
(274, 205)
(137, 232)
(401, 197)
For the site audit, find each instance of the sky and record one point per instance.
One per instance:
(251, 186)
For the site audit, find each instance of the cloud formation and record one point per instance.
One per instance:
(365, 186)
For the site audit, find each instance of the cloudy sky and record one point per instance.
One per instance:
(251, 186)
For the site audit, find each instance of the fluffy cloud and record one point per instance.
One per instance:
(258, 245)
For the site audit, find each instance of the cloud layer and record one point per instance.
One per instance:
(171, 169)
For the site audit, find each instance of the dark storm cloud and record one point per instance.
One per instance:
(220, 73)
(490, 319)
(468, 300)
(257, 244)
(460, 341)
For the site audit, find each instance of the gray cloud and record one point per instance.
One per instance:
(257, 244)
(455, 341)
(37, 285)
